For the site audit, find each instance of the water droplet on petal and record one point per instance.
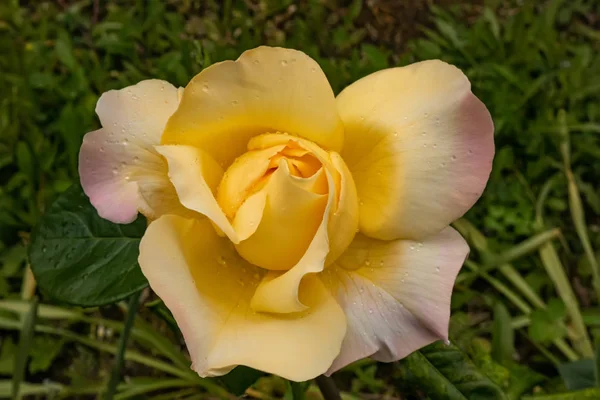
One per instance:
(437, 269)
(221, 260)
(453, 158)
(367, 263)
(284, 63)
(205, 88)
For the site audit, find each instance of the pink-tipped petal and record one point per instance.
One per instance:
(396, 294)
(120, 171)
(419, 145)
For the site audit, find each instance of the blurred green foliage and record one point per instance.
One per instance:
(527, 60)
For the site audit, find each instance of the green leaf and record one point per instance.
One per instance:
(578, 374)
(43, 352)
(240, 379)
(444, 372)
(547, 324)
(79, 258)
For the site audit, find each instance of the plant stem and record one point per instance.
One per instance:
(328, 388)
(298, 390)
(115, 375)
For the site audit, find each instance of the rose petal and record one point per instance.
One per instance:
(195, 176)
(419, 145)
(395, 294)
(208, 287)
(120, 171)
(266, 90)
(290, 219)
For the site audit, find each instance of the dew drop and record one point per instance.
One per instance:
(362, 117)
(395, 134)
(221, 260)
(381, 263)
(255, 62)
(370, 311)
(367, 263)
(313, 69)
(115, 171)
(470, 151)
(361, 203)
(426, 115)
(125, 142)
(412, 247)
(424, 145)
(362, 290)
(437, 269)
(453, 158)
(284, 63)
(127, 178)
(136, 159)
(434, 145)
(205, 88)
(256, 275)
(442, 164)
(241, 282)
(101, 149)
(234, 103)
(44, 249)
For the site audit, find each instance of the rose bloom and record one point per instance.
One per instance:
(293, 231)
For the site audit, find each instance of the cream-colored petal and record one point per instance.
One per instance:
(208, 287)
(120, 171)
(395, 294)
(419, 145)
(290, 219)
(196, 175)
(266, 90)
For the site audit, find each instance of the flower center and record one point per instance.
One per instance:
(276, 195)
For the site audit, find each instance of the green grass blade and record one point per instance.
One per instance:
(26, 338)
(557, 274)
(503, 335)
(575, 204)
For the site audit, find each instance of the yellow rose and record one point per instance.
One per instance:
(292, 231)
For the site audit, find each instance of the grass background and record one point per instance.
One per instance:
(526, 305)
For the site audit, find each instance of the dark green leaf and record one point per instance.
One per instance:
(444, 372)
(79, 258)
(240, 379)
(578, 374)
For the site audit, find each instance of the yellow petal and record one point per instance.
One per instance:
(343, 221)
(419, 145)
(241, 177)
(289, 221)
(279, 292)
(396, 294)
(265, 90)
(196, 176)
(208, 287)
(119, 169)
